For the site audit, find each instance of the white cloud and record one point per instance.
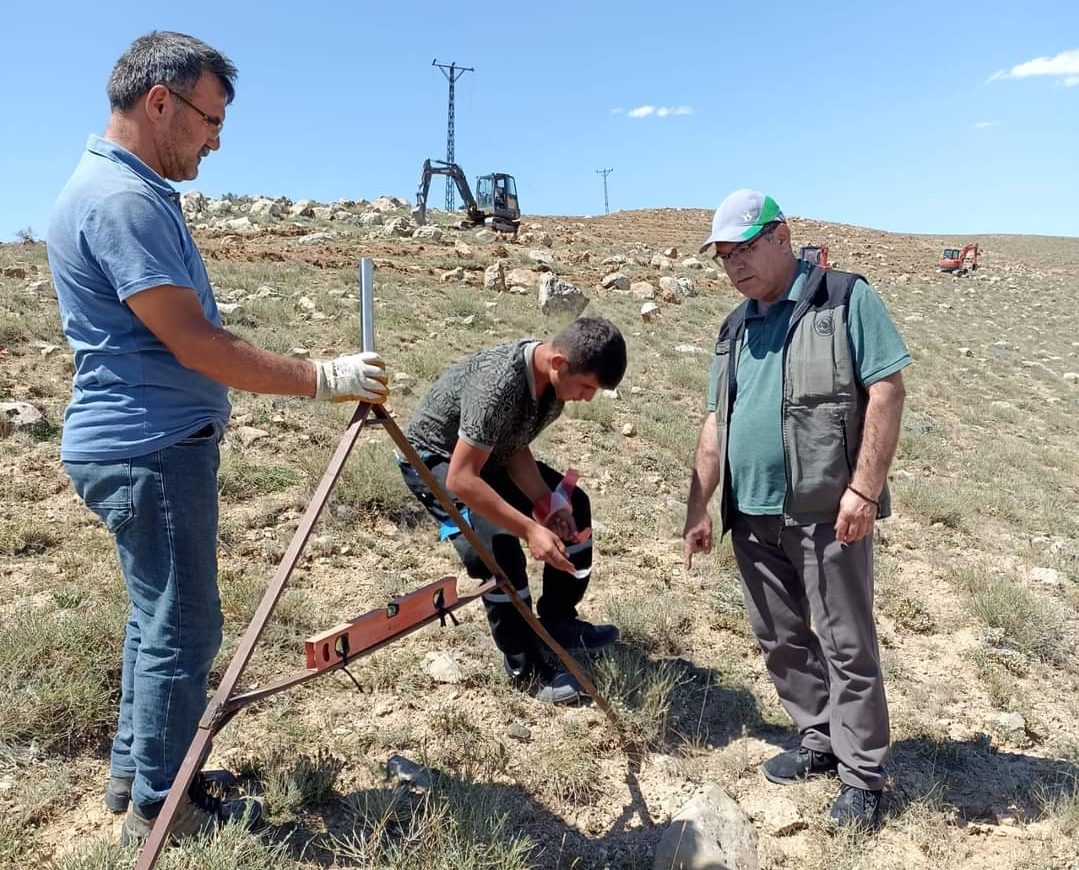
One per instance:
(985, 125)
(659, 111)
(1063, 66)
(617, 111)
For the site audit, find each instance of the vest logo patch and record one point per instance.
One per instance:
(823, 325)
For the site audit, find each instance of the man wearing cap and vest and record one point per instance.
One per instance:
(804, 408)
(473, 429)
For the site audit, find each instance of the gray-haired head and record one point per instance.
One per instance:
(166, 58)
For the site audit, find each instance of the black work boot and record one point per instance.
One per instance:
(200, 813)
(576, 635)
(556, 685)
(797, 765)
(856, 808)
(118, 788)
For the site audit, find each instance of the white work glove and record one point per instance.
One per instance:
(357, 377)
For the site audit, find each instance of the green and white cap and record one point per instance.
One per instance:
(741, 216)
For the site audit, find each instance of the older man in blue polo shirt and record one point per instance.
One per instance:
(150, 400)
(804, 408)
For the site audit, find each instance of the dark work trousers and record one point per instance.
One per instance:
(562, 592)
(810, 602)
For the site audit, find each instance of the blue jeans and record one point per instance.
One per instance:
(162, 511)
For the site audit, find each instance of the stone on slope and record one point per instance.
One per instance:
(710, 833)
(560, 297)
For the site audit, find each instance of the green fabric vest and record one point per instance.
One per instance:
(823, 407)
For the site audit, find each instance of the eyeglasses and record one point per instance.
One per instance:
(742, 248)
(212, 120)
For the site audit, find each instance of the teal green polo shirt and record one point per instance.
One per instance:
(755, 436)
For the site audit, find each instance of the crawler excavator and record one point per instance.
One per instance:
(494, 206)
(959, 261)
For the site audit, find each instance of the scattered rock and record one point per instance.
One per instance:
(248, 435)
(966, 351)
(710, 833)
(649, 311)
(14, 272)
(398, 227)
(314, 239)
(442, 668)
(304, 208)
(560, 297)
(1048, 576)
(300, 353)
(643, 290)
(240, 224)
(428, 231)
(265, 208)
(615, 281)
(457, 274)
(611, 394)
(670, 252)
(544, 258)
(486, 235)
(407, 771)
(462, 249)
(522, 280)
(370, 219)
(388, 203)
(692, 263)
(21, 417)
(677, 286)
(306, 303)
(629, 430)
(494, 277)
(230, 308)
(1071, 377)
(519, 732)
(689, 348)
(662, 262)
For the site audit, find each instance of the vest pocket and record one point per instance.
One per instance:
(816, 443)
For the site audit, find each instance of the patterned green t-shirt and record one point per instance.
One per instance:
(488, 399)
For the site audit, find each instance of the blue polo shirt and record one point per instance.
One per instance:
(755, 435)
(115, 231)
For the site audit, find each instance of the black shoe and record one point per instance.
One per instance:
(576, 634)
(201, 813)
(856, 808)
(556, 686)
(797, 765)
(118, 789)
(559, 688)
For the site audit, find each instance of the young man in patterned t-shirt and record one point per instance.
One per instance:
(473, 430)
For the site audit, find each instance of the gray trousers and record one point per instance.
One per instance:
(810, 603)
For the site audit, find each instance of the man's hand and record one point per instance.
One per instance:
(697, 537)
(547, 546)
(561, 523)
(358, 377)
(856, 518)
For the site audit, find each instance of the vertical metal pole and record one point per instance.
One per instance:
(366, 272)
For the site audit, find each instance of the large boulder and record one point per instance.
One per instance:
(560, 297)
(265, 208)
(192, 204)
(398, 227)
(303, 208)
(710, 833)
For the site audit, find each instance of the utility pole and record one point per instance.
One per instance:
(605, 173)
(452, 72)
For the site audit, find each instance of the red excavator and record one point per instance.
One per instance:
(959, 261)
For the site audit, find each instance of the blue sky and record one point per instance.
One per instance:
(897, 116)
